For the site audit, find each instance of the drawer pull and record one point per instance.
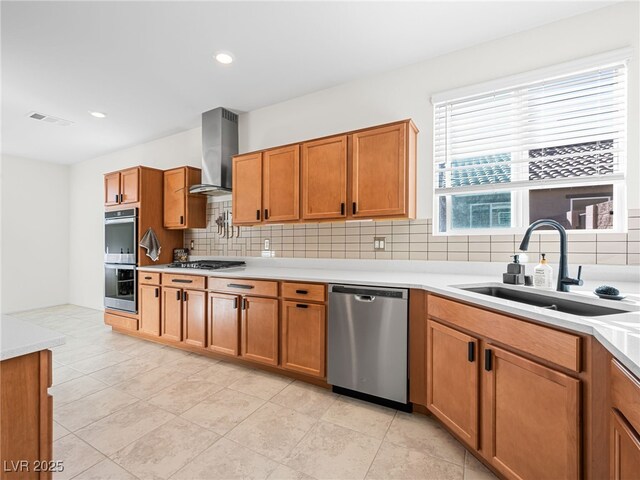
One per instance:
(148, 278)
(180, 280)
(239, 285)
(487, 360)
(471, 352)
(302, 292)
(301, 305)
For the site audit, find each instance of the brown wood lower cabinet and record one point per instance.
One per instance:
(531, 416)
(625, 449)
(149, 305)
(260, 329)
(171, 314)
(224, 323)
(26, 410)
(303, 337)
(452, 390)
(194, 305)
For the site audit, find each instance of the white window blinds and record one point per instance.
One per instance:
(567, 130)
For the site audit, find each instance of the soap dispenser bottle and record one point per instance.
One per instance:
(515, 272)
(543, 274)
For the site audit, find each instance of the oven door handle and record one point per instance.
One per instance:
(119, 266)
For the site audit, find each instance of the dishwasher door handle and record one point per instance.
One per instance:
(364, 298)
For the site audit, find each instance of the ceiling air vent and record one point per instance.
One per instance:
(43, 117)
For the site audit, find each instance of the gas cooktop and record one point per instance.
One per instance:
(208, 264)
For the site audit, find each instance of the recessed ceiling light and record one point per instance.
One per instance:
(98, 114)
(224, 58)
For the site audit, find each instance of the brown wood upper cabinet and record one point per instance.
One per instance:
(369, 173)
(383, 172)
(247, 189)
(182, 209)
(324, 178)
(122, 187)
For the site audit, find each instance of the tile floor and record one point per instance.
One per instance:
(126, 408)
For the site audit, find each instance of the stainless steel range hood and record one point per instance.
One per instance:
(219, 144)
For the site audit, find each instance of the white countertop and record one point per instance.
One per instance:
(19, 338)
(619, 333)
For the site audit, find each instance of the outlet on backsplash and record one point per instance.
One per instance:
(379, 244)
(405, 240)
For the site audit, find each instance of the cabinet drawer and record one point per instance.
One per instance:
(261, 288)
(121, 322)
(625, 394)
(149, 278)
(552, 345)
(184, 281)
(314, 292)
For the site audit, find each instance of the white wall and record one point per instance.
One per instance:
(406, 92)
(35, 234)
(402, 93)
(87, 205)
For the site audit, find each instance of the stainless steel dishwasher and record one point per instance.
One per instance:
(367, 340)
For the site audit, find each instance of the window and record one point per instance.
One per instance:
(551, 146)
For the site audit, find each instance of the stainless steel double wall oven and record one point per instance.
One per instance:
(120, 259)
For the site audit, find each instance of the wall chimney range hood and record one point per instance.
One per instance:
(219, 144)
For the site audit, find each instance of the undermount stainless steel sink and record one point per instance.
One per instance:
(547, 301)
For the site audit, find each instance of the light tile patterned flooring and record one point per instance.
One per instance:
(125, 408)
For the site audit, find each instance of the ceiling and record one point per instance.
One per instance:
(150, 67)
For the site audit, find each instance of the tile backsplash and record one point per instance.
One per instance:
(407, 240)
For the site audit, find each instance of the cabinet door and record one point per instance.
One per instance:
(303, 338)
(260, 329)
(171, 314)
(129, 186)
(224, 323)
(379, 172)
(324, 178)
(150, 309)
(625, 449)
(194, 317)
(281, 184)
(175, 182)
(533, 418)
(246, 194)
(452, 389)
(112, 188)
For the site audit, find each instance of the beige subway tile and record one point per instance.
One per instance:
(418, 255)
(479, 238)
(479, 257)
(437, 247)
(400, 229)
(580, 237)
(383, 255)
(366, 247)
(367, 255)
(418, 247)
(400, 247)
(458, 239)
(355, 254)
(634, 212)
(436, 239)
(383, 230)
(634, 223)
(400, 256)
(367, 230)
(633, 236)
(324, 247)
(612, 237)
(633, 247)
(338, 247)
(400, 222)
(352, 247)
(418, 237)
(350, 230)
(502, 247)
(503, 257)
(418, 221)
(479, 247)
(458, 247)
(336, 254)
(383, 223)
(549, 247)
(581, 247)
(612, 259)
(299, 240)
(400, 238)
(366, 238)
(437, 255)
(458, 256)
(581, 259)
(324, 254)
(418, 229)
(612, 247)
(337, 239)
